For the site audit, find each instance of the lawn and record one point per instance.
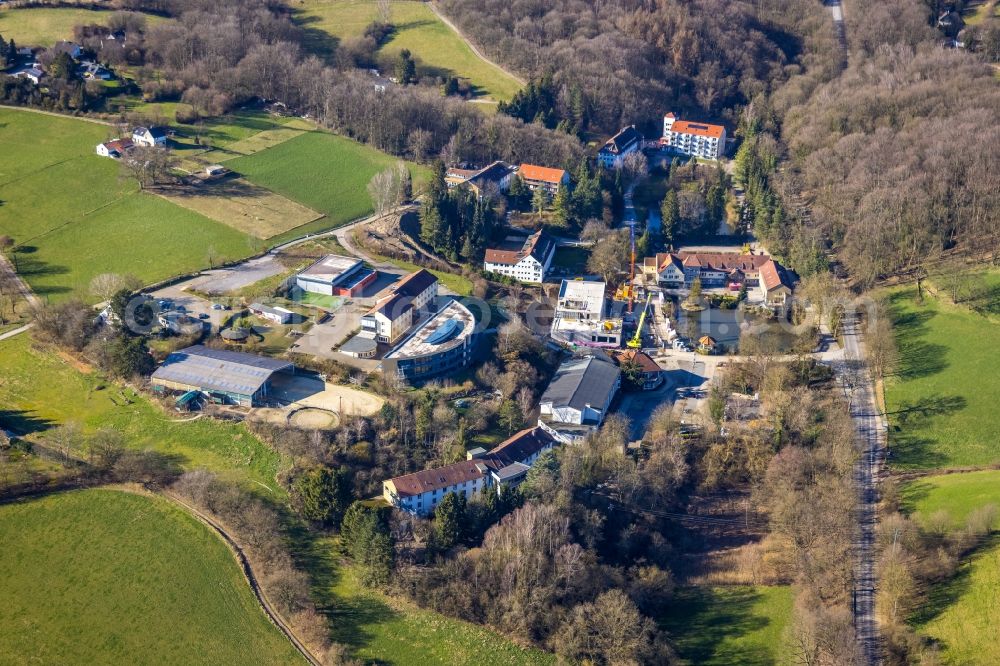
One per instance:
(104, 576)
(960, 613)
(73, 216)
(37, 26)
(392, 631)
(325, 172)
(942, 400)
(41, 390)
(730, 625)
(438, 49)
(958, 494)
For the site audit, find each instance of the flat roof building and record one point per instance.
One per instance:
(444, 343)
(580, 316)
(692, 138)
(237, 377)
(336, 275)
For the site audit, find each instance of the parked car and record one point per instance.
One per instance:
(203, 315)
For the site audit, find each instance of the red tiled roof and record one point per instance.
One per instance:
(773, 276)
(542, 174)
(515, 449)
(646, 364)
(697, 129)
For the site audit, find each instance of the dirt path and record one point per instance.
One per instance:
(479, 54)
(22, 286)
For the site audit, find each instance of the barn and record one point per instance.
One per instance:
(226, 376)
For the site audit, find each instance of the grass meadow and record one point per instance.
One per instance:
(384, 630)
(438, 49)
(40, 390)
(730, 625)
(44, 26)
(325, 172)
(942, 399)
(960, 613)
(104, 576)
(73, 216)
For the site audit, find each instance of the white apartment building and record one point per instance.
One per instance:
(527, 264)
(693, 139)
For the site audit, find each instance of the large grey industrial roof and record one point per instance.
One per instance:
(581, 382)
(219, 369)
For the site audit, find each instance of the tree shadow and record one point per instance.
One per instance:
(917, 358)
(30, 265)
(986, 301)
(23, 422)
(701, 619)
(945, 594)
(348, 617)
(911, 418)
(316, 40)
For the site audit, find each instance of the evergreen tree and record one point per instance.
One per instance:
(511, 417)
(517, 192)
(562, 205)
(670, 215)
(322, 495)
(450, 521)
(644, 245)
(539, 200)
(406, 68)
(365, 536)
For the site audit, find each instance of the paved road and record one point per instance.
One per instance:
(837, 13)
(870, 425)
(16, 331)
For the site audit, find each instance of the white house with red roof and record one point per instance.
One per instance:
(693, 138)
(547, 178)
(528, 263)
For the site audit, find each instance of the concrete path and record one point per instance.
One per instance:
(16, 331)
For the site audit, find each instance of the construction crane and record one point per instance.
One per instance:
(626, 292)
(636, 341)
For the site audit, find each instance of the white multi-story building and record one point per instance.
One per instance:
(613, 153)
(394, 315)
(527, 264)
(693, 139)
(420, 493)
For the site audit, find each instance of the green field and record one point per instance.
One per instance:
(958, 494)
(325, 172)
(42, 26)
(73, 217)
(437, 48)
(730, 625)
(389, 631)
(960, 613)
(942, 400)
(103, 576)
(45, 391)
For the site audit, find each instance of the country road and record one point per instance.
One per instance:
(870, 425)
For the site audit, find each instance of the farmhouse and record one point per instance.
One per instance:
(229, 376)
(578, 397)
(393, 316)
(149, 136)
(336, 275)
(692, 138)
(613, 153)
(776, 283)
(420, 493)
(114, 149)
(277, 315)
(527, 264)
(649, 374)
(444, 343)
(579, 317)
(547, 178)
